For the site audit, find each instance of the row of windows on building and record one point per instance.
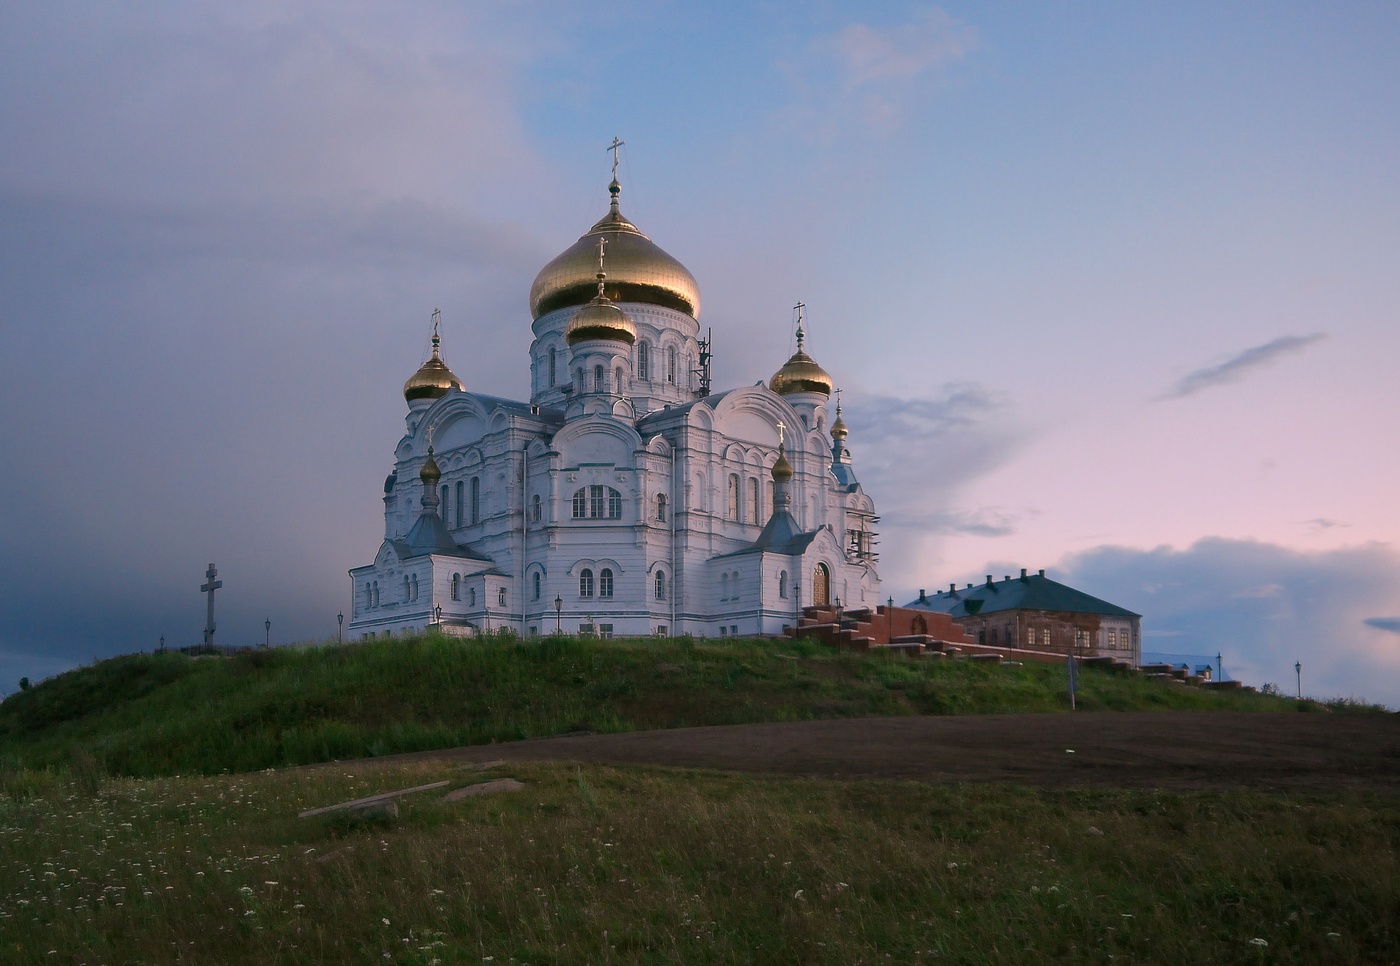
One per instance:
(603, 585)
(1114, 639)
(642, 367)
(407, 593)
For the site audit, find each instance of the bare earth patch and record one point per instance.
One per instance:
(1177, 750)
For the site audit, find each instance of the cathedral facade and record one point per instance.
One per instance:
(624, 498)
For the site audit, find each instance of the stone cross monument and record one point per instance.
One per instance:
(209, 586)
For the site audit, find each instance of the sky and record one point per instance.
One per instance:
(1111, 289)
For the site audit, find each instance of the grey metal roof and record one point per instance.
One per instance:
(780, 535)
(430, 535)
(1031, 592)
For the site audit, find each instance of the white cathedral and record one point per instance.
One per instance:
(625, 498)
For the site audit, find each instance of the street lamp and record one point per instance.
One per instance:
(267, 632)
(437, 613)
(340, 628)
(1298, 668)
(558, 615)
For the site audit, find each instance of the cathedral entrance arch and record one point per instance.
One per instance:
(821, 586)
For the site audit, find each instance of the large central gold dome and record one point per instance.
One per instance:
(638, 270)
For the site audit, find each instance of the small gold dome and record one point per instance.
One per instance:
(838, 428)
(638, 270)
(801, 374)
(430, 473)
(782, 469)
(433, 379)
(600, 319)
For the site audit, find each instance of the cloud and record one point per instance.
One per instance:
(1238, 366)
(871, 55)
(863, 77)
(1263, 607)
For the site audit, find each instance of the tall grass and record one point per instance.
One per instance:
(161, 714)
(593, 864)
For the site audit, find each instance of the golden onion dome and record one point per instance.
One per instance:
(433, 379)
(838, 428)
(782, 469)
(430, 473)
(638, 270)
(801, 373)
(600, 319)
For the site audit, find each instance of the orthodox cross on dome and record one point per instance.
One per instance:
(208, 587)
(781, 438)
(437, 321)
(838, 402)
(602, 250)
(800, 333)
(616, 143)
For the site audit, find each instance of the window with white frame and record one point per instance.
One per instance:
(585, 583)
(605, 582)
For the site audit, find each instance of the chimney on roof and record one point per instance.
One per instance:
(952, 588)
(1042, 571)
(1007, 577)
(922, 598)
(969, 586)
(989, 580)
(1023, 573)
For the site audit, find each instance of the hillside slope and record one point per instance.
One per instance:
(160, 714)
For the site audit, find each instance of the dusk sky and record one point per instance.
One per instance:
(1113, 289)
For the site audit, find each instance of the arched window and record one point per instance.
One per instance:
(599, 380)
(821, 586)
(456, 586)
(734, 506)
(405, 587)
(585, 583)
(374, 597)
(597, 502)
(476, 499)
(471, 596)
(537, 585)
(443, 501)
(782, 584)
(723, 586)
(734, 585)
(461, 518)
(501, 596)
(553, 366)
(415, 586)
(536, 509)
(369, 596)
(618, 383)
(643, 362)
(671, 365)
(661, 507)
(660, 585)
(605, 582)
(578, 379)
(755, 515)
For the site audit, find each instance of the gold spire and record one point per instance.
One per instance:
(433, 379)
(641, 271)
(782, 469)
(838, 428)
(430, 473)
(801, 373)
(600, 318)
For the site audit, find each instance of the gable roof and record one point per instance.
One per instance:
(429, 535)
(1031, 592)
(780, 535)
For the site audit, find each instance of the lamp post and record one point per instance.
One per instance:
(1298, 669)
(162, 644)
(340, 628)
(558, 615)
(267, 632)
(437, 614)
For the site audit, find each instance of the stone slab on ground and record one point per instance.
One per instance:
(361, 803)
(495, 787)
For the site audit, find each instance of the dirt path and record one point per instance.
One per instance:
(1173, 750)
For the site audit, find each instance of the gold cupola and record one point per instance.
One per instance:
(600, 318)
(639, 270)
(433, 379)
(838, 428)
(782, 469)
(801, 373)
(430, 473)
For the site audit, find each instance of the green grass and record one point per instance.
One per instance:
(649, 865)
(164, 714)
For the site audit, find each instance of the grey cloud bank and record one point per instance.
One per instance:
(1238, 366)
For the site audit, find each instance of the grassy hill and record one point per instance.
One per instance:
(165, 714)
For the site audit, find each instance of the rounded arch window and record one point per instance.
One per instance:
(585, 583)
(605, 582)
(597, 502)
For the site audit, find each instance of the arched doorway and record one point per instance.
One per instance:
(920, 626)
(821, 586)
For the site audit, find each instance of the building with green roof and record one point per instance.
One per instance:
(1034, 612)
